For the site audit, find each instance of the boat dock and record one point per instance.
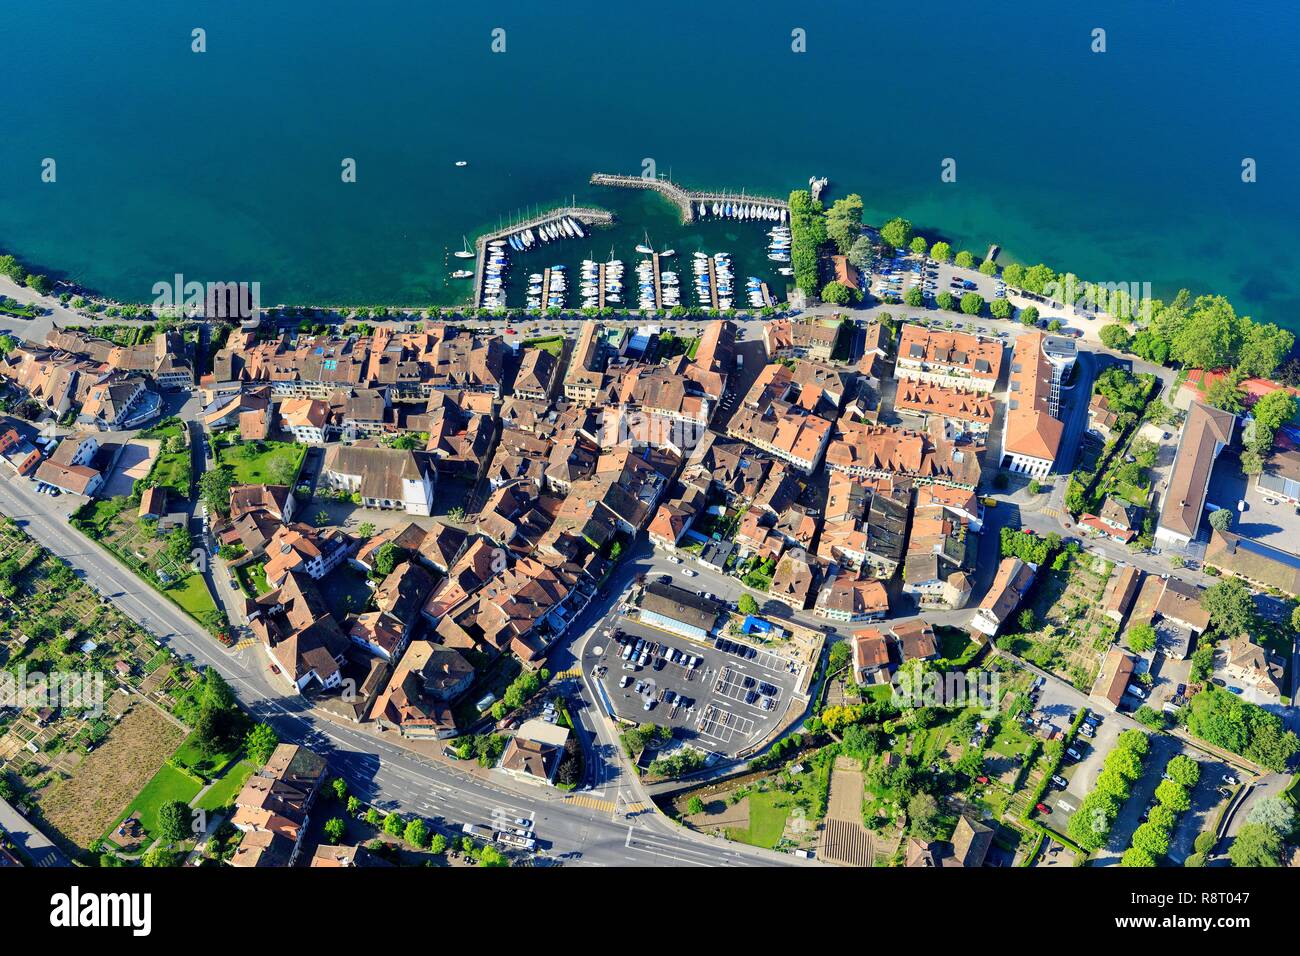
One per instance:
(546, 286)
(713, 284)
(659, 283)
(587, 215)
(686, 200)
(767, 296)
(601, 288)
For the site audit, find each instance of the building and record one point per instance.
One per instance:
(950, 359)
(277, 501)
(305, 419)
(788, 339)
(1010, 585)
(584, 379)
(18, 453)
(940, 555)
(1031, 437)
(386, 478)
(784, 431)
(678, 611)
(794, 579)
(1205, 433)
(1280, 479)
(415, 702)
(1116, 671)
(536, 375)
(970, 843)
(304, 643)
(1101, 418)
(535, 751)
(273, 810)
(153, 503)
(964, 412)
(885, 532)
(74, 479)
(870, 657)
(304, 549)
(846, 598)
(864, 450)
(1250, 665)
(1261, 565)
(1120, 592)
(916, 641)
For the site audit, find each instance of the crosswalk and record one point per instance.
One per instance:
(250, 642)
(571, 672)
(1051, 512)
(604, 806)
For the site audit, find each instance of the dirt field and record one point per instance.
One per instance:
(843, 837)
(82, 807)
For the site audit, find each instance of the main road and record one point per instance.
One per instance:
(383, 773)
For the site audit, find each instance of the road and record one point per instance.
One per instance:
(380, 772)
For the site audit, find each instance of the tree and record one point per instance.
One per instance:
(1295, 618)
(179, 545)
(1151, 717)
(972, 303)
(1263, 348)
(1136, 857)
(438, 845)
(1256, 845)
(365, 529)
(334, 829)
(260, 742)
(394, 825)
(941, 252)
(1225, 392)
(922, 811)
(491, 856)
(41, 284)
(836, 293)
(1000, 308)
(214, 488)
(844, 222)
(1174, 796)
(373, 818)
(416, 833)
(173, 821)
(746, 604)
(988, 268)
(1275, 813)
(1029, 315)
(914, 297)
(354, 806)
(1115, 337)
(1221, 519)
(1151, 839)
(946, 301)
(387, 558)
(695, 806)
(340, 787)
(1184, 770)
(1230, 607)
(918, 245)
(1027, 621)
(861, 254)
(1271, 412)
(1141, 638)
(964, 260)
(896, 232)
(1034, 486)
(160, 856)
(1014, 275)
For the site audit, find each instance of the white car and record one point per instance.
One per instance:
(688, 572)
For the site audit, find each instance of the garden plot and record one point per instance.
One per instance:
(1068, 633)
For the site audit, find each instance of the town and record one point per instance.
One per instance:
(887, 575)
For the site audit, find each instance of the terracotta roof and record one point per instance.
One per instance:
(1030, 428)
(1205, 430)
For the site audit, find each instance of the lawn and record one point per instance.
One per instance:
(191, 758)
(227, 788)
(263, 463)
(252, 578)
(767, 815)
(168, 784)
(192, 594)
(550, 343)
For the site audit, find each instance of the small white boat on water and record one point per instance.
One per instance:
(644, 249)
(461, 162)
(466, 253)
(462, 274)
(667, 252)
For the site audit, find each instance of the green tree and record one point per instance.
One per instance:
(836, 293)
(416, 833)
(438, 845)
(334, 829)
(260, 742)
(1136, 857)
(988, 268)
(1000, 308)
(914, 297)
(746, 604)
(964, 260)
(1231, 609)
(695, 806)
(394, 825)
(1141, 638)
(365, 529)
(946, 301)
(1263, 348)
(1029, 315)
(1027, 621)
(1151, 839)
(896, 232)
(340, 787)
(918, 245)
(941, 252)
(1174, 796)
(174, 821)
(1221, 519)
(1115, 337)
(972, 303)
(354, 806)
(1256, 845)
(387, 558)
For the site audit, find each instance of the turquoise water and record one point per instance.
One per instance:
(1123, 166)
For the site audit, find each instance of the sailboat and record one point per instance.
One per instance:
(465, 253)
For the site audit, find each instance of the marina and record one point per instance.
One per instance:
(700, 205)
(567, 222)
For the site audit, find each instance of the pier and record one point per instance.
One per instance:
(659, 286)
(713, 283)
(686, 200)
(600, 290)
(587, 215)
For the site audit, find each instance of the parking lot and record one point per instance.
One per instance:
(723, 696)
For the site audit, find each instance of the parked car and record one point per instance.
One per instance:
(1059, 780)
